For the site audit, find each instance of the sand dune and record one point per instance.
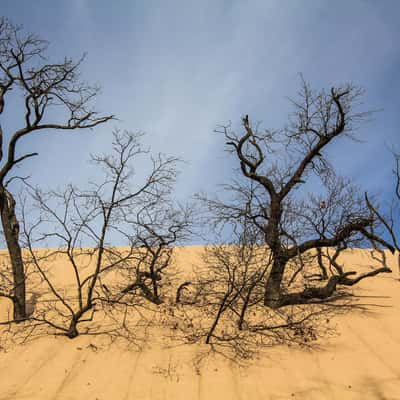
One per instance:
(361, 362)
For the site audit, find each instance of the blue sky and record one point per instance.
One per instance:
(177, 69)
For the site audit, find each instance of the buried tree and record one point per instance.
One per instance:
(275, 168)
(389, 218)
(43, 87)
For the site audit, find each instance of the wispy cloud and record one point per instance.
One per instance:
(177, 70)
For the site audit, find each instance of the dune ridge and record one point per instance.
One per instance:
(361, 361)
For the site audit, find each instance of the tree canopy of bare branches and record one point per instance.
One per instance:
(269, 193)
(389, 219)
(82, 225)
(44, 88)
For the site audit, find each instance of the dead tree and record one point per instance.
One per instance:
(83, 225)
(225, 308)
(235, 281)
(158, 226)
(224, 289)
(274, 167)
(43, 86)
(389, 219)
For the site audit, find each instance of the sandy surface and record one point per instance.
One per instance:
(361, 362)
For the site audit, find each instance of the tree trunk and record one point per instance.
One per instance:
(272, 292)
(243, 310)
(73, 329)
(398, 262)
(154, 279)
(218, 316)
(312, 294)
(148, 294)
(11, 234)
(324, 273)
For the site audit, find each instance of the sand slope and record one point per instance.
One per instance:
(361, 362)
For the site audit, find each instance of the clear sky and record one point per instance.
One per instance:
(177, 69)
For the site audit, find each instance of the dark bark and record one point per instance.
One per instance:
(309, 295)
(350, 282)
(42, 86)
(244, 309)
(295, 227)
(147, 293)
(272, 238)
(324, 272)
(221, 309)
(11, 234)
(272, 291)
(76, 318)
(281, 257)
(179, 291)
(342, 234)
(73, 329)
(273, 286)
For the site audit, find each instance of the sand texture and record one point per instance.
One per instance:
(361, 361)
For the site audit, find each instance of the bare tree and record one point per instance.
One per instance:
(224, 306)
(43, 86)
(84, 225)
(389, 219)
(158, 228)
(275, 166)
(236, 275)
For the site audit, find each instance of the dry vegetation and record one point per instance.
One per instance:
(280, 277)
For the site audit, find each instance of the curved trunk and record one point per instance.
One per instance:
(312, 294)
(11, 233)
(73, 329)
(272, 292)
(324, 272)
